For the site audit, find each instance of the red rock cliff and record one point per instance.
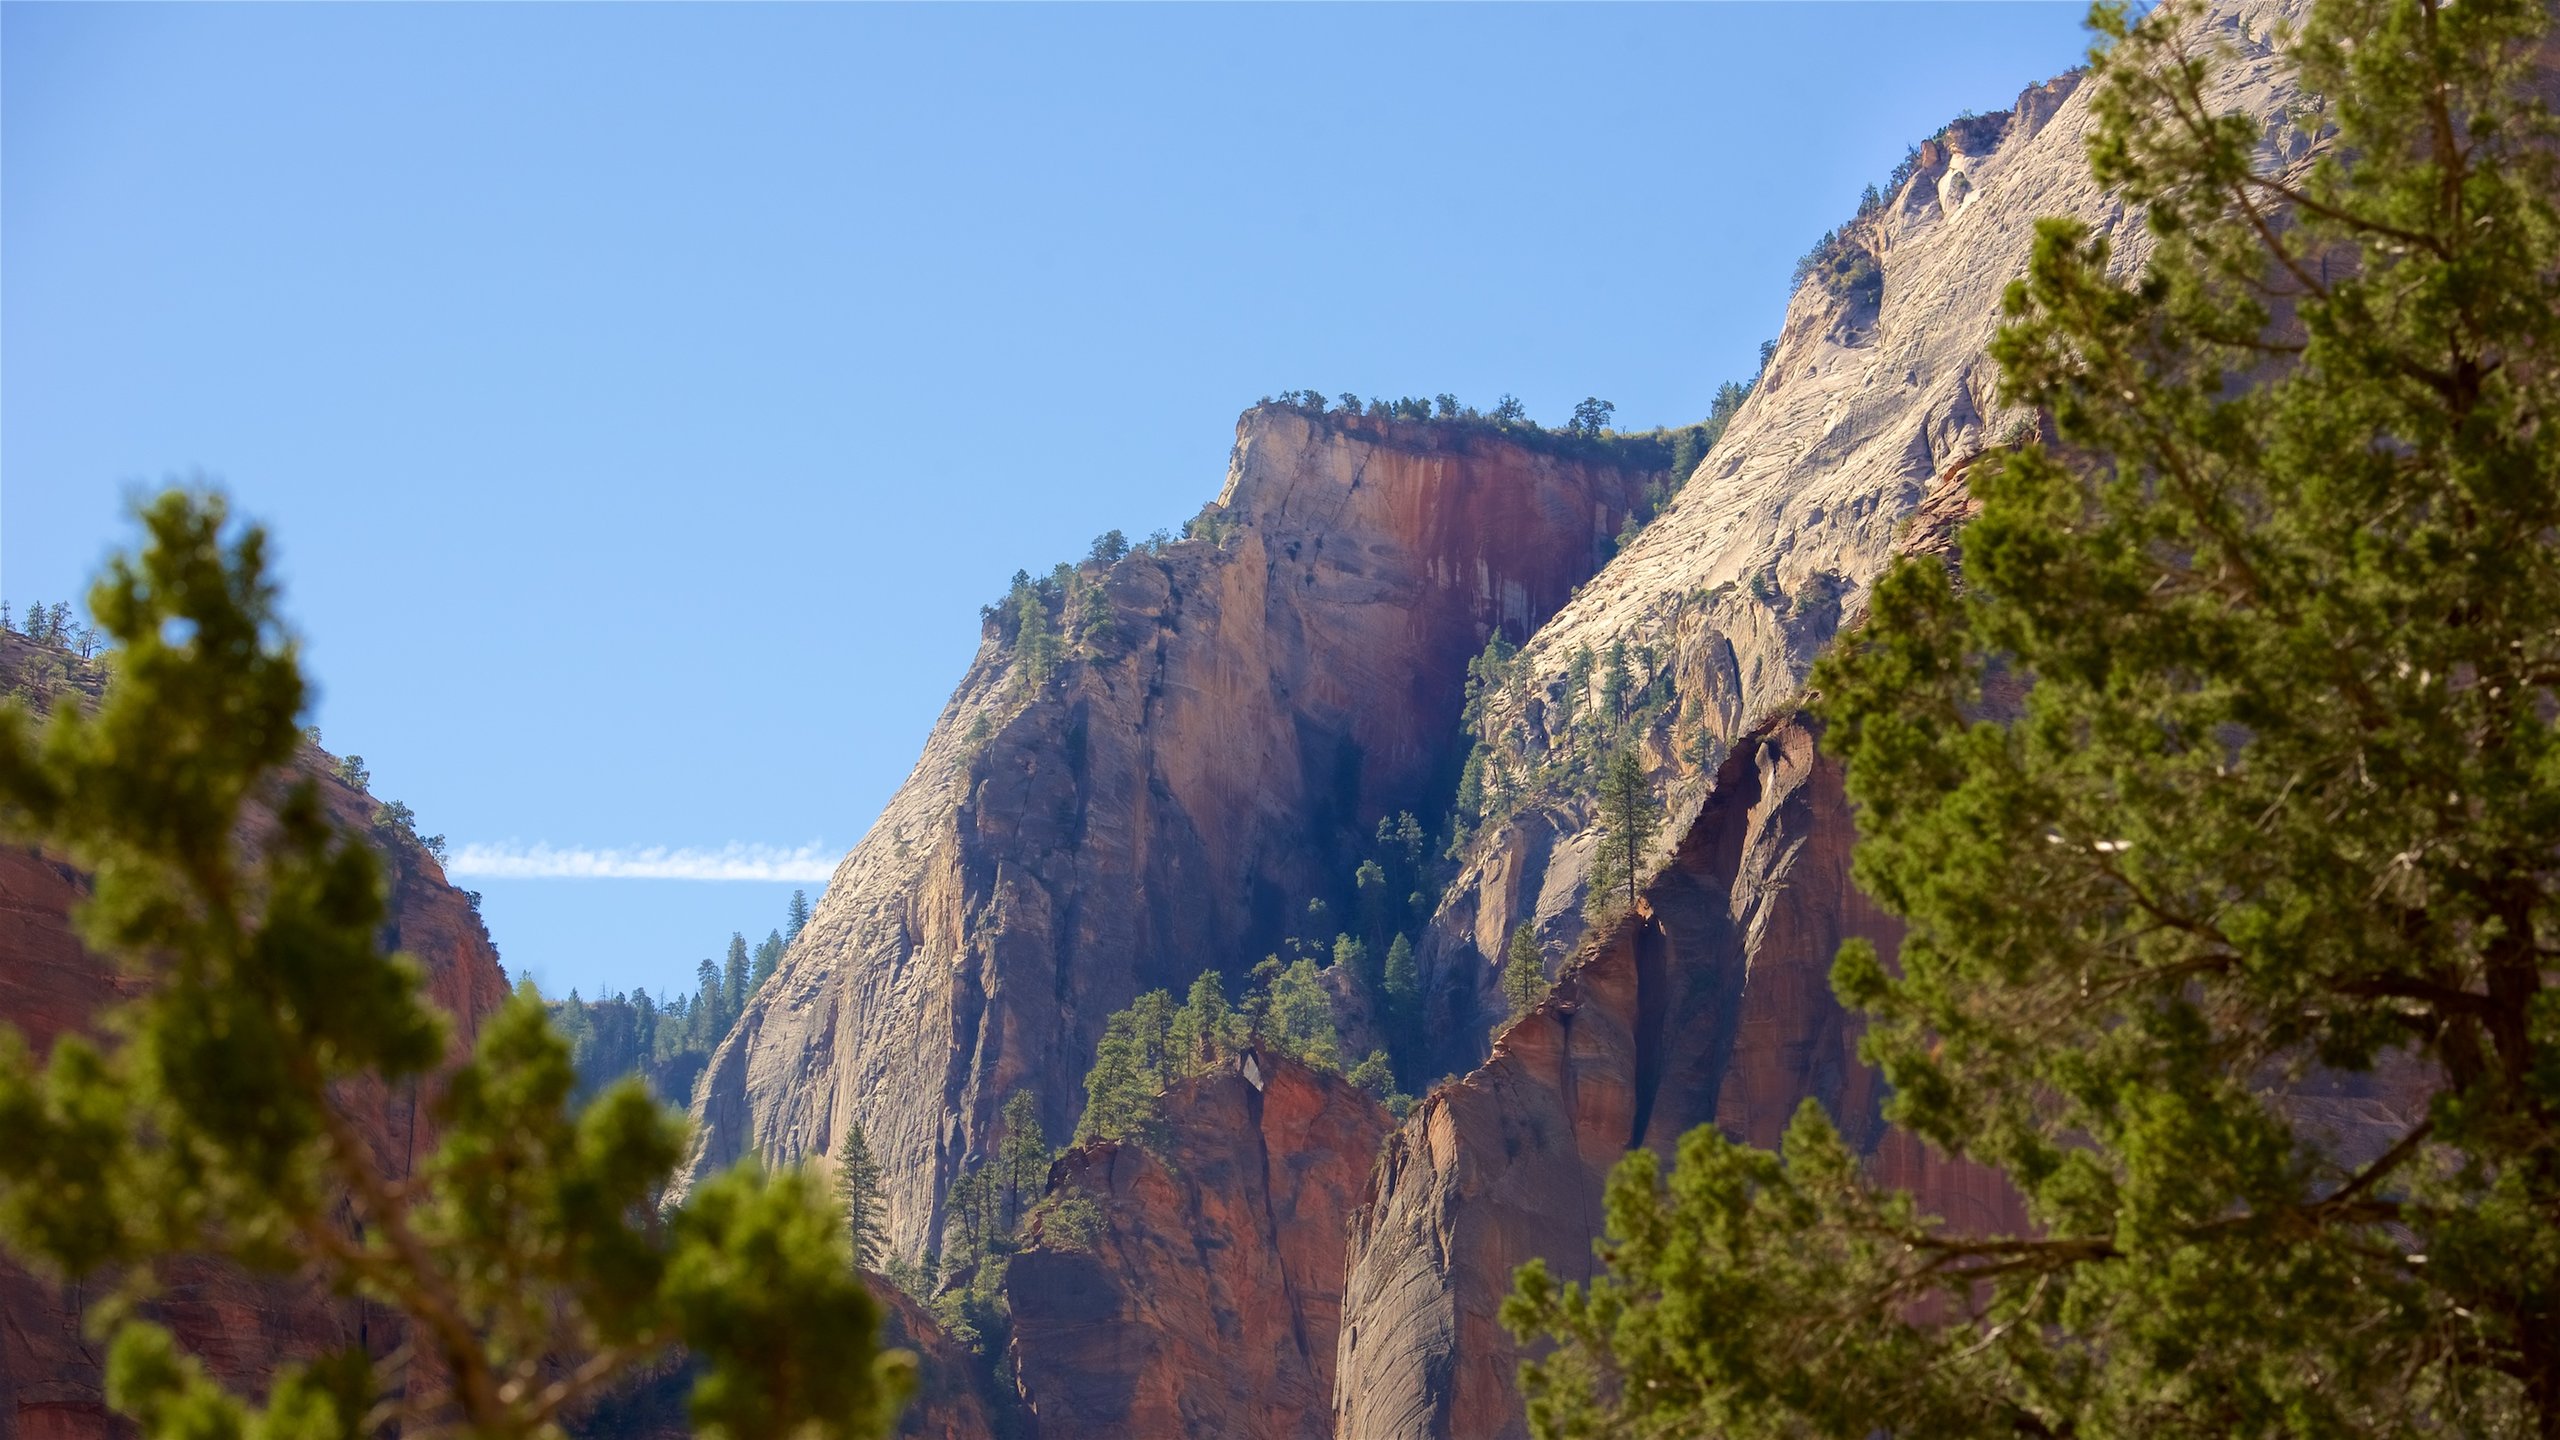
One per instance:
(1163, 802)
(1711, 1004)
(1209, 1304)
(50, 1374)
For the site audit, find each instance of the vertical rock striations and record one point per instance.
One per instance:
(1208, 1303)
(1874, 390)
(1194, 771)
(1710, 1004)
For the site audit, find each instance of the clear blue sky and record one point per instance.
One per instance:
(645, 398)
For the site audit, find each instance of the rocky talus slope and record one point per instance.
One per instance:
(50, 985)
(1209, 1302)
(1161, 803)
(1869, 398)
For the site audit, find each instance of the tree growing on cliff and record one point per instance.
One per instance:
(1035, 644)
(2276, 819)
(1402, 986)
(1351, 959)
(1376, 1074)
(799, 916)
(527, 1251)
(735, 972)
(1129, 1071)
(1297, 1021)
(859, 1199)
(1524, 972)
(1590, 417)
(1022, 1156)
(711, 1014)
(1629, 819)
(1205, 1030)
(768, 959)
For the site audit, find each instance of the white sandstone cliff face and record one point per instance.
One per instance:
(1772, 544)
(1161, 805)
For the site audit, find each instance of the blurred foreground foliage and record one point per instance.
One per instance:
(212, 1115)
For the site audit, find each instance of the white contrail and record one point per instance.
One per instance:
(514, 861)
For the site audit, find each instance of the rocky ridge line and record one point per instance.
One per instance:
(1209, 1300)
(1770, 547)
(1164, 802)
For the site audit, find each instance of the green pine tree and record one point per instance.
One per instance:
(1130, 1070)
(1298, 1021)
(2278, 810)
(1376, 904)
(768, 959)
(1036, 646)
(859, 1199)
(1204, 1031)
(1377, 1075)
(711, 1014)
(734, 977)
(1351, 957)
(1629, 820)
(1022, 1156)
(1524, 973)
(527, 1251)
(1403, 987)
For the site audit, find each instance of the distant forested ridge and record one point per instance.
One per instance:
(666, 1042)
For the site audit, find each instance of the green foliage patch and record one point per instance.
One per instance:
(2277, 813)
(213, 1115)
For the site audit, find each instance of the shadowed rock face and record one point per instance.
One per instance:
(949, 1402)
(1161, 804)
(1712, 1003)
(51, 1375)
(1210, 1304)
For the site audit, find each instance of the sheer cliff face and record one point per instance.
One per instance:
(1159, 805)
(1773, 542)
(1209, 1303)
(51, 1379)
(1711, 1004)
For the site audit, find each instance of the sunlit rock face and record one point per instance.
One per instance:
(1162, 804)
(1210, 1301)
(1870, 399)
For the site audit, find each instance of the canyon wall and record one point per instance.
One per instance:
(1209, 1301)
(1709, 1003)
(1871, 394)
(51, 1374)
(1192, 774)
